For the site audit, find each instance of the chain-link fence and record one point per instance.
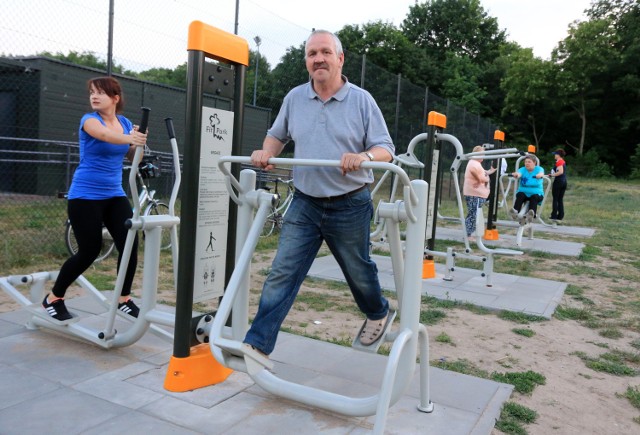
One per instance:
(43, 99)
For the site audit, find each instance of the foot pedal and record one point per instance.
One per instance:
(37, 310)
(373, 347)
(242, 350)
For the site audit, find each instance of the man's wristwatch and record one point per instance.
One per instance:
(368, 154)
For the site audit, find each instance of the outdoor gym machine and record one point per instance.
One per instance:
(226, 342)
(149, 316)
(207, 241)
(433, 169)
(509, 194)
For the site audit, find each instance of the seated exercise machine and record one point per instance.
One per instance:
(521, 223)
(409, 339)
(486, 258)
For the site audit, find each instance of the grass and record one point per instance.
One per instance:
(521, 318)
(524, 332)
(614, 363)
(633, 395)
(443, 337)
(523, 382)
(512, 418)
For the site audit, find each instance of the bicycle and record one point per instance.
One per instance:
(146, 198)
(276, 217)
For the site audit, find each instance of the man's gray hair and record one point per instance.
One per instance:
(339, 50)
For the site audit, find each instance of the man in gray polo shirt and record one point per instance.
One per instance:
(332, 119)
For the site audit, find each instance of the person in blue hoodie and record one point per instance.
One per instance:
(96, 196)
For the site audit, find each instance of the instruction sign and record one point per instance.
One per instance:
(213, 205)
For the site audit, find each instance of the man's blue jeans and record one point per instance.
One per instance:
(344, 224)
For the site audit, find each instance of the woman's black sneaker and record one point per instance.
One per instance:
(57, 309)
(129, 308)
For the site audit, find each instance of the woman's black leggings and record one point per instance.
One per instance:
(534, 200)
(87, 217)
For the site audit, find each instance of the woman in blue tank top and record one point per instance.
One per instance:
(96, 196)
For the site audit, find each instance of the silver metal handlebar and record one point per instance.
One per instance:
(410, 197)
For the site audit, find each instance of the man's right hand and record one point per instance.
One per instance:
(260, 159)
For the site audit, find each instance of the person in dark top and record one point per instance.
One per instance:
(559, 185)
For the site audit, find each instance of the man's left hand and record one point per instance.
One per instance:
(351, 162)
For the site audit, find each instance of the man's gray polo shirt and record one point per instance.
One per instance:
(350, 121)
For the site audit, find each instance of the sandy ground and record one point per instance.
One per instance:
(574, 400)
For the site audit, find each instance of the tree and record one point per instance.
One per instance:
(462, 84)
(173, 77)
(387, 47)
(263, 84)
(529, 91)
(463, 42)
(461, 27)
(290, 72)
(583, 57)
(86, 58)
(615, 121)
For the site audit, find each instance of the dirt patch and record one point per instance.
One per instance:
(574, 399)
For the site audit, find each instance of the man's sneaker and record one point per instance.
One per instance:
(129, 308)
(514, 214)
(57, 309)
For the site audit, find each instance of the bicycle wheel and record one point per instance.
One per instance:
(72, 244)
(269, 225)
(160, 208)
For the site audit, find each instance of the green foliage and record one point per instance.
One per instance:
(461, 28)
(512, 416)
(431, 317)
(635, 164)
(612, 363)
(613, 333)
(85, 58)
(572, 313)
(529, 86)
(173, 77)
(524, 332)
(443, 337)
(518, 412)
(510, 427)
(464, 44)
(521, 318)
(583, 99)
(387, 47)
(589, 165)
(633, 394)
(523, 382)
(463, 366)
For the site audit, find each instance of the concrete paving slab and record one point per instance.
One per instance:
(528, 295)
(46, 375)
(508, 241)
(560, 228)
(63, 411)
(20, 385)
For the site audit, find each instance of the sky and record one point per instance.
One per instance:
(154, 33)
